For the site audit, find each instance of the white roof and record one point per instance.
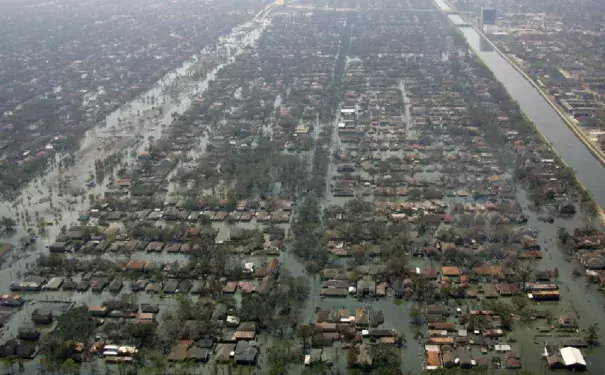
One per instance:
(249, 266)
(572, 356)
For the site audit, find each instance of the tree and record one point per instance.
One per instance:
(277, 356)
(386, 358)
(305, 332)
(520, 302)
(504, 311)
(169, 331)
(76, 324)
(70, 367)
(8, 364)
(414, 195)
(255, 309)
(352, 355)
(41, 225)
(8, 223)
(397, 264)
(416, 315)
(144, 333)
(524, 268)
(592, 335)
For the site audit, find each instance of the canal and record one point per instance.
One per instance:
(574, 153)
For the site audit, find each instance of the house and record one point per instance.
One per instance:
(183, 286)
(83, 286)
(58, 247)
(432, 360)
(156, 247)
(171, 286)
(230, 287)
(451, 271)
(573, 359)
(313, 357)
(29, 333)
(98, 311)
(136, 265)
(439, 310)
(11, 300)
(222, 352)
(8, 349)
(145, 317)
(362, 317)
(148, 308)
(115, 286)
(464, 358)
(442, 326)
(366, 287)
(376, 318)
(69, 285)
(246, 352)
(179, 351)
(334, 292)
(448, 359)
(53, 284)
(545, 295)
(98, 284)
(325, 327)
(198, 354)
(40, 316)
(139, 285)
(25, 351)
(566, 322)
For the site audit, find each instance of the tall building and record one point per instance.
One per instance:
(488, 16)
(279, 2)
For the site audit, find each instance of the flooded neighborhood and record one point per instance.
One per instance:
(289, 187)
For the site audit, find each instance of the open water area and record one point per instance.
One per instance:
(130, 127)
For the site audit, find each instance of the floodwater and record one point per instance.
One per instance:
(577, 299)
(127, 129)
(123, 130)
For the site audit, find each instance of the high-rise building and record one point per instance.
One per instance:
(488, 16)
(279, 2)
